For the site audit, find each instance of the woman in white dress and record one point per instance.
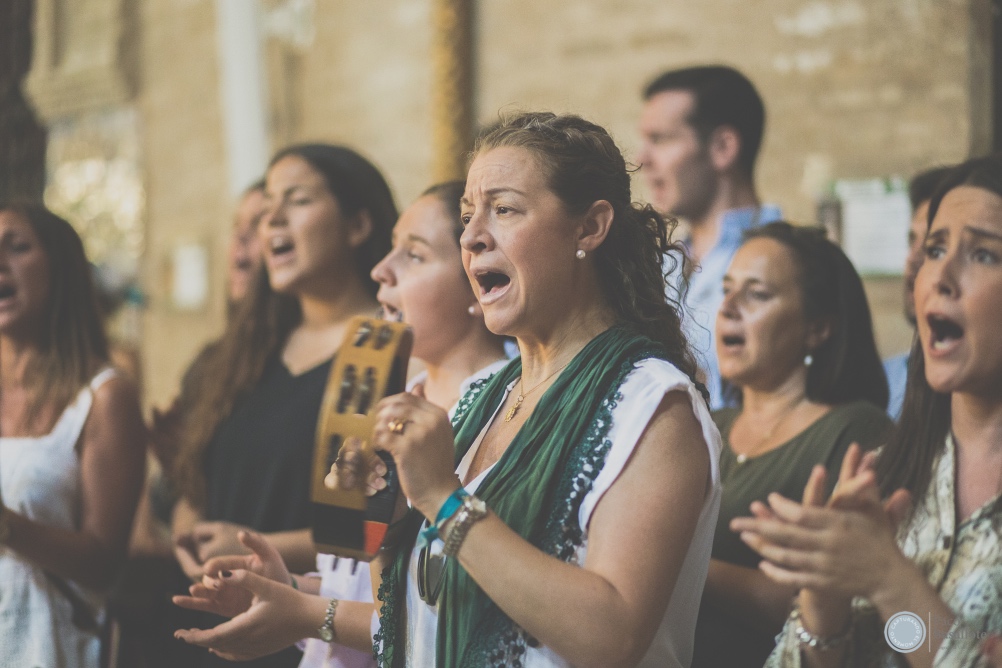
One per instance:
(72, 449)
(577, 490)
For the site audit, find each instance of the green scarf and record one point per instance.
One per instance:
(536, 488)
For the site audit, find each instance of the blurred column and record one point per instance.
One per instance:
(242, 86)
(452, 87)
(22, 138)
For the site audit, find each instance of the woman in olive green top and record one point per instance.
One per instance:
(794, 335)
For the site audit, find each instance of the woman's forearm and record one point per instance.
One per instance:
(307, 584)
(908, 590)
(747, 594)
(73, 555)
(353, 625)
(297, 549)
(575, 612)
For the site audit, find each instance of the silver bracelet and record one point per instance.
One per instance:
(472, 511)
(816, 642)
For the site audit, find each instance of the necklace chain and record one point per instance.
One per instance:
(522, 394)
(754, 451)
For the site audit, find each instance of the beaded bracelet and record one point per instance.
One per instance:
(445, 513)
(816, 642)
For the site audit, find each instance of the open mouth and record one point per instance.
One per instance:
(7, 291)
(732, 340)
(391, 313)
(280, 246)
(492, 282)
(944, 332)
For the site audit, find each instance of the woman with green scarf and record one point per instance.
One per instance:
(586, 470)
(565, 516)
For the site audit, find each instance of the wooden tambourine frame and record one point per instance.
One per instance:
(371, 364)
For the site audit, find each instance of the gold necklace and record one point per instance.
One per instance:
(522, 394)
(752, 452)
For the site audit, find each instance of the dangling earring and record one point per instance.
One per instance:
(472, 310)
(808, 360)
(580, 254)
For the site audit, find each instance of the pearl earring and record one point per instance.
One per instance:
(808, 360)
(580, 254)
(472, 310)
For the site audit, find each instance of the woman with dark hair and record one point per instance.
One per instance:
(421, 281)
(919, 530)
(576, 491)
(246, 455)
(72, 448)
(794, 335)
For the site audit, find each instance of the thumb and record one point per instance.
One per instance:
(261, 587)
(203, 531)
(259, 545)
(898, 505)
(418, 390)
(814, 490)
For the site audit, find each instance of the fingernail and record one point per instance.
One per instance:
(225, 574)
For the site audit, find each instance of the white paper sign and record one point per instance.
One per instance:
(876, 215)
(189, 276)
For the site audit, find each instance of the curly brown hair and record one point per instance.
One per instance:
(584, 165)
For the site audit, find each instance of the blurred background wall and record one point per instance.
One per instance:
(158, 112)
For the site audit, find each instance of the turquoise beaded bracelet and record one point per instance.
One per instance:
(445, 513)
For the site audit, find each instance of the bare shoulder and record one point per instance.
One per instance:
(673, 443)
(115, 419)
(118, 393)
(675, 424)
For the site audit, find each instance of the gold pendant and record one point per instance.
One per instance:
(514, 409)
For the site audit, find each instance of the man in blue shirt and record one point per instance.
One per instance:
(701, 128)
(920, 191)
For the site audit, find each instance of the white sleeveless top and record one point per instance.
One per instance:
(40, 479)
(641, 392)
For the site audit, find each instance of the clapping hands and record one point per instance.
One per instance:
(844, 545)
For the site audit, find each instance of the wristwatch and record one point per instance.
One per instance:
(326, 631)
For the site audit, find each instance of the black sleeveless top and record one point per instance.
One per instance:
(258, 464)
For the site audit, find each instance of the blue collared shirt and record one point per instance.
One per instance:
(896, 369)
(705, 291)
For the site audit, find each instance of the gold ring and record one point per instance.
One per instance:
(397, 426)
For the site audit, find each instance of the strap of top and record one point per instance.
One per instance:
(103, 376)
(71, 423)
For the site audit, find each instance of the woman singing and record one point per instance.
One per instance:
(565, 515)
(72, 448)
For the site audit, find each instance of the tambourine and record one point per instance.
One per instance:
(369, 365)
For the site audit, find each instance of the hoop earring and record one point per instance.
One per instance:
(580, 254)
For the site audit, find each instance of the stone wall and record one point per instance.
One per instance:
(187, 191)
(854, 88)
